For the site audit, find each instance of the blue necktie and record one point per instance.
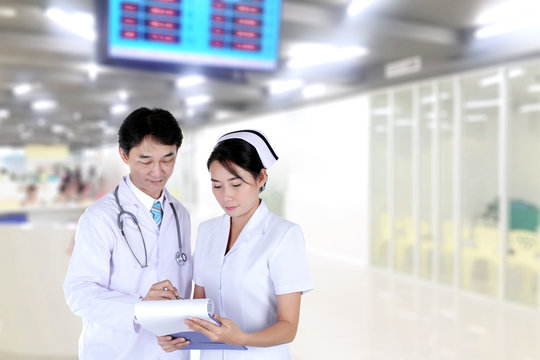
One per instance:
(156, 213)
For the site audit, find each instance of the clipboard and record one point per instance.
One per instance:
(199, 341)
(166, 317)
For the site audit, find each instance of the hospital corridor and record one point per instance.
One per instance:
(393, 147)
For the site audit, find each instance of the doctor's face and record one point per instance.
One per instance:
(150, 165)
(238, 196)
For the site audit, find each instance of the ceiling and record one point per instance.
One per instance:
(54, 63)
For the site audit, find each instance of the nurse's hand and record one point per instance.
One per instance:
(161, 291)
(169, 344)
(228, 332)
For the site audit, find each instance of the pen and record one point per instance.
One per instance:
(177, 297)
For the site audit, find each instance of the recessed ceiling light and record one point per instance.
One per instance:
(92, 70)
(4, 114)
(58, 129)
(123, 95)
(357, 6)
(43, 105)
(276, 87)
(306, 55)
(118, 109)
(198, 100)
(22, 89)
(514, 73)
(189, 81)
(7, 12)
(78, 23)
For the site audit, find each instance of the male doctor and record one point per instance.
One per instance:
(132, 245)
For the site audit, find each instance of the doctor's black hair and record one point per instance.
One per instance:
(156, 123)
(238, 152)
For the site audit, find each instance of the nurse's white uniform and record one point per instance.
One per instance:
(268, 259)
(104, 281)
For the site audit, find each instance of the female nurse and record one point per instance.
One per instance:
(249, 261)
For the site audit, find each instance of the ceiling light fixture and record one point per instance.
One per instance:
(123, 95)
(198, 100)
(507, 17)
(58, 129)
(505, 27)
(7, 12)
(92, 70)
(189, 81)
(507, 11)
(490, 80)
(22, 89)
(517, 72)
(43, 105)
(357, 6)
(118, 109)
(4, 114)
(316, 54)
(78, 23)
(276, 87)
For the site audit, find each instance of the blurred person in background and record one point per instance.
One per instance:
(132, 244)
(250, 262)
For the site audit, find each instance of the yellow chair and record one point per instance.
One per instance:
(404, 244)
(426, 249)
(523, 266)
(480, 258)
(380, 241)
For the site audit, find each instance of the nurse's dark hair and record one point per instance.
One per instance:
(158, 124)
(240, 153)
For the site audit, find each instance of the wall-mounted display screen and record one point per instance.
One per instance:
(236, 34)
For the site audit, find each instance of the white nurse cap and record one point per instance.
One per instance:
(259, 141)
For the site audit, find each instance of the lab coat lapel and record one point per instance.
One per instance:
(168, 222)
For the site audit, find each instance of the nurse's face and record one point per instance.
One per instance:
(150, 165)
(238, 196)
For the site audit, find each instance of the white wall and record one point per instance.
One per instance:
(320, 180)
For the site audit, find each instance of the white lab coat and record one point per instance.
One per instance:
(268, 259)
(104, 281)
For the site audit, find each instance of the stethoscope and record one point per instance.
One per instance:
(180, 257)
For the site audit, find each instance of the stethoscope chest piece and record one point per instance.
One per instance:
(181, 258)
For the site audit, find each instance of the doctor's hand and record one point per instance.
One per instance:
(228, 332)
(169, 344)
(161, 291)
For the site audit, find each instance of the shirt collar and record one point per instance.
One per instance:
(145, 199)
(256, 222)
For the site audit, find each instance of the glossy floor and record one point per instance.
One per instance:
(359, 313)
(366, 314)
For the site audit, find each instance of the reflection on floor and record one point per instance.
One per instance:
(359, 313)
(366, 314)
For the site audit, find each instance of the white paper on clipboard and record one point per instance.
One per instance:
(165, 317)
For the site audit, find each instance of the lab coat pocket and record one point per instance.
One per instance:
(104, 340)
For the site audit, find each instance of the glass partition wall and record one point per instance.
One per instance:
(455, 183)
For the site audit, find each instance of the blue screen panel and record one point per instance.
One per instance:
(240, 34)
